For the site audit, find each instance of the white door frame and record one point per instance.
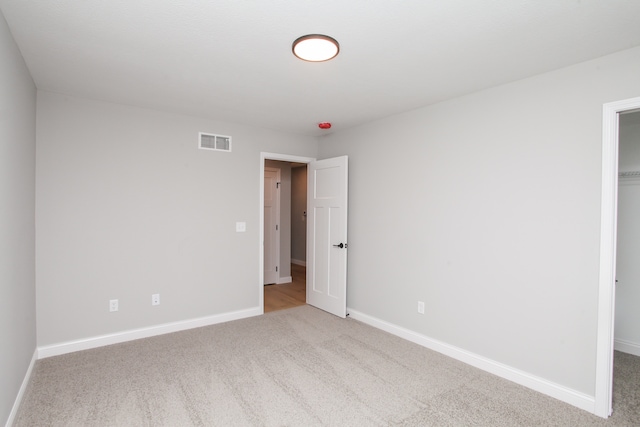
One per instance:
(263, 157)
(608, 237)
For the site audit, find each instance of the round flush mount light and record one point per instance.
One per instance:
(315, 48)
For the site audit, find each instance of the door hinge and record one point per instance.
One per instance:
(276, 227)
(277, 185)
(276, 268)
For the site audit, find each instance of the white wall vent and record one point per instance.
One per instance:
(208, 141)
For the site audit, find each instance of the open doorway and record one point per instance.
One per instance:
(603, 402)
(627, 314)
(291, 273)
(327, 215)
(626, 360)
(285, 233)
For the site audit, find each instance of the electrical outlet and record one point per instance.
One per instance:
(155, 299)
(113, 305)
(420, 307)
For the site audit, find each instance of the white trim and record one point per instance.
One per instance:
(23, 388)
(134, 334)
(298, 262)
(283, 158)
(557, 391)
(608, 230)
(627, 347)
(282, 280)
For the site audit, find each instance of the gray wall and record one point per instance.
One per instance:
(129, 206)
(17, 220)
(298, 219)
(627, 325)
(487, 207)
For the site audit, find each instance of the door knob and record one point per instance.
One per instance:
(341, 245)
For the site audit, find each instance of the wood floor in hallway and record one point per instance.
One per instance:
(287, 295)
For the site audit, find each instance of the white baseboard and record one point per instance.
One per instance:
(102, 340)
(287, 279)
(627, 347)
(23, 388)
(557, 391)
(298, 262)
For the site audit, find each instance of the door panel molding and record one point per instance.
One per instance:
(327, 203)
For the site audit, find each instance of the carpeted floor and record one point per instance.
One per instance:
(296, 367)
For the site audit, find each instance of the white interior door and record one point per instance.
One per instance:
(327, 235)
(271, 224)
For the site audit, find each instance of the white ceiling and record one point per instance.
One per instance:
(231, 60)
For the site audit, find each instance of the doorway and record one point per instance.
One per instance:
(627, 293)
(289, 271)
(327, 209)
(603, 404)
(285, 233)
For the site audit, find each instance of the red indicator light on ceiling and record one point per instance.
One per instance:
(324, 125)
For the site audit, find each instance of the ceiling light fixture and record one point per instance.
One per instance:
(315, 48)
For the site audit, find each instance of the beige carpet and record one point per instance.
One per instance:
(296, 367)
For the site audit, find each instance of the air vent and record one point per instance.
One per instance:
(208, 141)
